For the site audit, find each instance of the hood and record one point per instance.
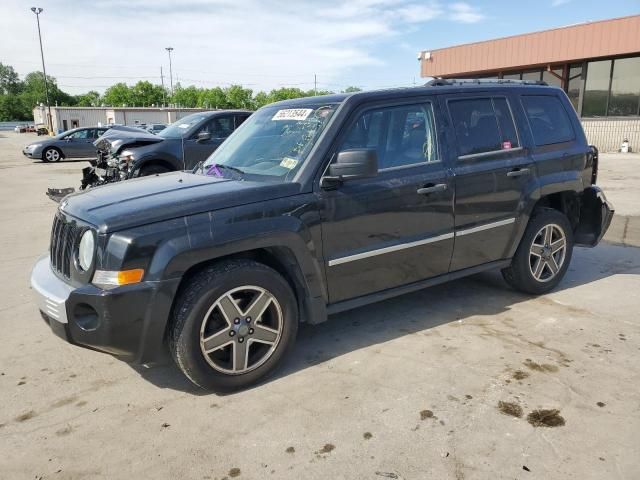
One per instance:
(145, 200)
(116, 138)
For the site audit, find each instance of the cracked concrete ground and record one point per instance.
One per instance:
(442, 383)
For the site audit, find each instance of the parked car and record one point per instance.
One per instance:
(316, 206)
(20, 128)
(178, 147)
(75, 143)
(156, 127)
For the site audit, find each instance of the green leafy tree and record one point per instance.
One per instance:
(239, 97)
(146, 94)
(352, 90)
(12, 108)
(89, 99)
(9, 80)
(260, 100)
(212, 98)
(118, 95)
(186, 97)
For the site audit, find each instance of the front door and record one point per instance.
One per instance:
(491, 173)
(79, 144)
(219, 128)
(396, 228)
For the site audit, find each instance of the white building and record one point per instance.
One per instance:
(66, 118)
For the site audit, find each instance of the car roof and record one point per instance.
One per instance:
(442, 86)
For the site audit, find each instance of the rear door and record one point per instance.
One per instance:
(395, 228)
(491, 171)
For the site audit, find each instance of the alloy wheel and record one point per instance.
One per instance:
(241, 330)
(52, 155)
(547, 253)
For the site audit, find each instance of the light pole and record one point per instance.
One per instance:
(170, 49)
(38, 11)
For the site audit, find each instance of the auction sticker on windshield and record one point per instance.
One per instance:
(288, 162)
(292, 114)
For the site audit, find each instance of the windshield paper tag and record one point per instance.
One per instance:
(293, 114)
(288, 162)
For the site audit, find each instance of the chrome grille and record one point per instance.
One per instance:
(64, 236)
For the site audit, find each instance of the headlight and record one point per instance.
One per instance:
(86, 250)
(126, 156)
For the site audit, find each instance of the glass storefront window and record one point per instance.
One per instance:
(574, 84)
(512, 76)
(625, 87)
(596, 90)
(532, 75)
(551, 79)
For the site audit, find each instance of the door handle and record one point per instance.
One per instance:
(518, 172)
(426, 190)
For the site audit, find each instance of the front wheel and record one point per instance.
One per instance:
(544, 253)
(51, 155)
(232, 324)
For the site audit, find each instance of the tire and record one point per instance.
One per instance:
(153, 169)
(51, 154)
(199, 324)
(536, 268)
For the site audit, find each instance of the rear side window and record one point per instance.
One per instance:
(548, 119)
(483, 125)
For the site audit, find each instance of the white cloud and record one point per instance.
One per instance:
(260, 44)
(557, 3)
(465, 13)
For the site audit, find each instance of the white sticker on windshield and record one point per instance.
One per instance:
(288, 162)
(183, 125)
(293, 114)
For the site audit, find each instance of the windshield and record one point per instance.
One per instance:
(181, 126)
(273, 143)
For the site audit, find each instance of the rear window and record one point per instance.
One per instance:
(548, 119)
(483, 125)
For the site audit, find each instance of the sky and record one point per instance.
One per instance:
(265, 44)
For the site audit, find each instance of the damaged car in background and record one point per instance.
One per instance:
(129, 152)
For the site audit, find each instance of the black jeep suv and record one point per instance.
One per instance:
(319, 205)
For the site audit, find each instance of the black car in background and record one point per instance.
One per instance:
(180, 146)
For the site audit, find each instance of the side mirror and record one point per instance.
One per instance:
(203, 137)
(350, 165)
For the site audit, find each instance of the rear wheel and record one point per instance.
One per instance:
(153, 169)
(51, 155)
(232, 324)
(544, 253)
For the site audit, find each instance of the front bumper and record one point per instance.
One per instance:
(32, 153)
(127, 322)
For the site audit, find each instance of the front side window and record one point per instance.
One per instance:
(483, 125)
(79, 134)
(180, 128)
(548, 119)
(218, 127)
(272, 144)
(402, 135)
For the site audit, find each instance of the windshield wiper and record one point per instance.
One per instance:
(215, 169)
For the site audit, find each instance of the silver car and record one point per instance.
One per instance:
(75, 143)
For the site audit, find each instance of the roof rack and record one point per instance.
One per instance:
(441, 82)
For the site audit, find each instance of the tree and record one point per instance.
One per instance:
(89, 99)
(9, 81)
(147, 94)
(12, 108)
(186, 97)
(239, 97)
(352, 90)
(212, 98)
(118, 95)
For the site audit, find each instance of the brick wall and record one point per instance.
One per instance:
(608, 134)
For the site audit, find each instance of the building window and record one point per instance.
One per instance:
(551, 79)
(532, 75)
(625, 87)
(574, 84)
(596, 90)
(512, 76)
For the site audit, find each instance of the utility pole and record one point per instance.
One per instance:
(38, 11)
(170, 49)
(164, 101)
(315, 84)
